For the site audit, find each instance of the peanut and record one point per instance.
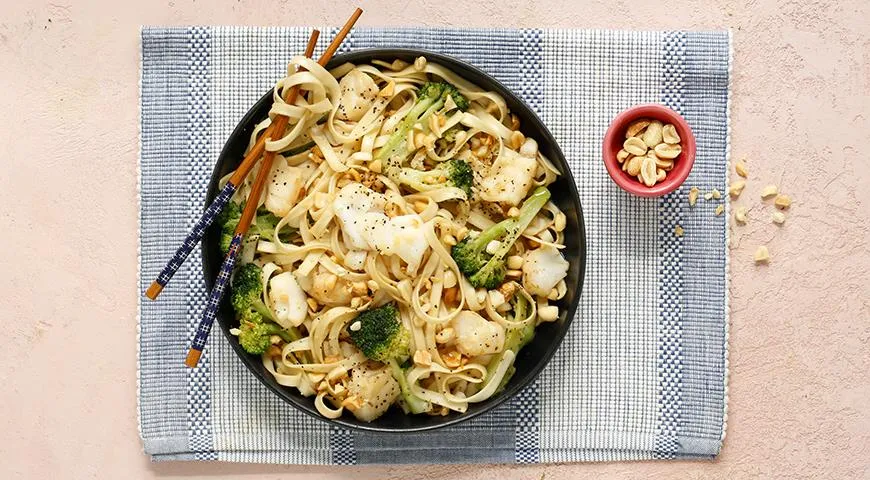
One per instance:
(740, 168)
(388, 90)
(516, 140)
(452, 359)
(664, 163)
(693, 196)
(636, 127)
(736, 188)
(667, 151)
(782, 201)
(514, 274)
(768, 191)
(622, 155)
(376, 166)
(634, 166)
(762, 255)
(648, 172)
(777, 217)
(670, 135)
(422, 357)
(635, 146)
(678, 231)
(515, 262)
(740, 215)
(550, 313)
(449, 279)
(420, 64)
(508, 289)
(653, 134)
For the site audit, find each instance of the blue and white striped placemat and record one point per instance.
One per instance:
(643, 372)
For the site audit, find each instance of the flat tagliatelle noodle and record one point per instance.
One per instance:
(354, 234)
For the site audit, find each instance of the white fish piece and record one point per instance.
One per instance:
(476, 335)
(543, 268)
(288, 300)
(376, 389)
(509, 179)
(404, 235)
(284, 186)
(351, 203)
(358, 93)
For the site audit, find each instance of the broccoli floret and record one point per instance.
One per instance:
(448, 137)
(265, 224)
(228, 219)
(247, 293)
(251, 316)
(485, 270)
(430, 99)
(256, 322)
(454, 173)
(382, 337)
(255, 337)
(264, 227)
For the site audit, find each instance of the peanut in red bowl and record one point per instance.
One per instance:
(615, 137)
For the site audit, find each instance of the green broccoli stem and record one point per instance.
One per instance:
(416, 179)
(418, 113)
(514, 227)
(453, 173)
(415, 404)
(515, 340)
(263, 310)
(290, 334)
(287, 334)
(478, 244)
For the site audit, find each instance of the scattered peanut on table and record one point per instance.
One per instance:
(762, 255)
(649, 151)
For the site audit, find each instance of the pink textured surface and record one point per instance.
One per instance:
(800, 336)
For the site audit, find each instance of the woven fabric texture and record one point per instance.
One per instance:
(642, 373)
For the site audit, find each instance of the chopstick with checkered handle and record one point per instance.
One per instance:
(226, 270)
(221, 200)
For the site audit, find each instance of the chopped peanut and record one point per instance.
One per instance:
(423, 358)
(768, 191)
(693, 196)
(762, 255)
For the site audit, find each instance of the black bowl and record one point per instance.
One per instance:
(531, 359)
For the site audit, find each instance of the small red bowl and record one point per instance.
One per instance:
(615, 137)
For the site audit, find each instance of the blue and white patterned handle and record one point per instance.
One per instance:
(193, 237)
(217, 293)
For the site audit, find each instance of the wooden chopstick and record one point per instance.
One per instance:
(266, 165)
(220, 201)
(280, 125)
(251, 205)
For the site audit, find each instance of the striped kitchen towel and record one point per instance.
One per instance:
(643, 372)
